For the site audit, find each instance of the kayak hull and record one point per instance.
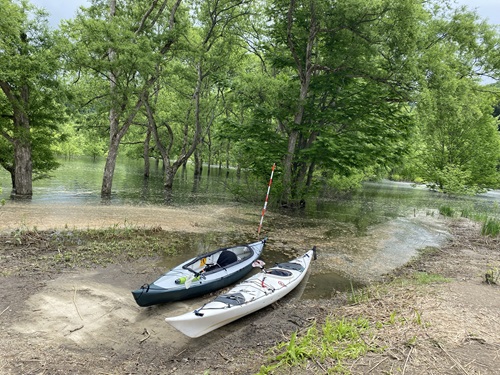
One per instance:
(192, 278)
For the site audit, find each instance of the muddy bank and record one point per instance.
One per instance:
(84, 320)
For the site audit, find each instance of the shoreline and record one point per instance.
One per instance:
(437, 327)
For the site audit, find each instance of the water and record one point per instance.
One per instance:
(78, 182)
(359, 236)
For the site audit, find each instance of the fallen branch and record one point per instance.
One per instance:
(74, 302)
(146, 332)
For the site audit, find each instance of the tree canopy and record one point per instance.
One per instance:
(326, 89)
(31, 96)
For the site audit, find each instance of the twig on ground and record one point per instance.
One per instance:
(406, 361)
(4, 310)
(453, 359)
(320, 366)
(146, 332)
(374, 367)
(75, 329)
(74, 302)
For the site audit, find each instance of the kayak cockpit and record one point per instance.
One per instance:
(219, 260)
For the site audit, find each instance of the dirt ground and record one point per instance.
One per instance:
(84, 321)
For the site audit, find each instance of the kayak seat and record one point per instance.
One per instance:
(225, 259)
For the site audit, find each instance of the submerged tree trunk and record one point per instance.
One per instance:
(22, 170)
(109, 169)
(146, 153)
(114, 140)
(23, 175)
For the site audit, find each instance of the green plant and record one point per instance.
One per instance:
(425, 278)
(358, 295)
(333, 343)
(491, 227)
(491, 276)
(418, 317)
(447, 211)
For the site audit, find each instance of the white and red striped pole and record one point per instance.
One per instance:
(267, 199)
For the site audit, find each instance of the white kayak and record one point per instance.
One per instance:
(250, 295)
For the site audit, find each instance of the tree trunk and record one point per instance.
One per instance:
(169, 178)
(114, 140)
(197, 165)
(109, 168)
(146, 152)
(23, 174)
(22, 170)
(287, 167)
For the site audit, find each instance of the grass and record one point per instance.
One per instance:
(55, 250)
(333, 345)
(491, 227)
(447, 211)
(424, 278)
(329, 346)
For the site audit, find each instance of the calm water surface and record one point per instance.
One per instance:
(364, 234)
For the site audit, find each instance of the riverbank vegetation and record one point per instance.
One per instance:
(334, 93)
(490, 226)
(409, 322)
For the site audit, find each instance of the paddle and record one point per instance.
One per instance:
(189, 281)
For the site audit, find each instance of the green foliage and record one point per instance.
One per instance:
(424, 278)
(447, 211)
(391, 95)
(333, 343)
(491, 227)
(459, 137)
(31, 93)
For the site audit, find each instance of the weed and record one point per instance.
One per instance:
(491, 227)
(447, 211)
(411, 342)
(418, 318)
(424, 278)
(491, 276)
(333, 343)
(358, 295)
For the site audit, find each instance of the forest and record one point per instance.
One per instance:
(333, 92)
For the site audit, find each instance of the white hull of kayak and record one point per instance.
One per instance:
(252, 294)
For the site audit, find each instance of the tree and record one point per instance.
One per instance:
(30, 93)
(196, 83)
(460, 141)
(124, 44)
(346, 71)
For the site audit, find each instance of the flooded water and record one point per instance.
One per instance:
(359, 237)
